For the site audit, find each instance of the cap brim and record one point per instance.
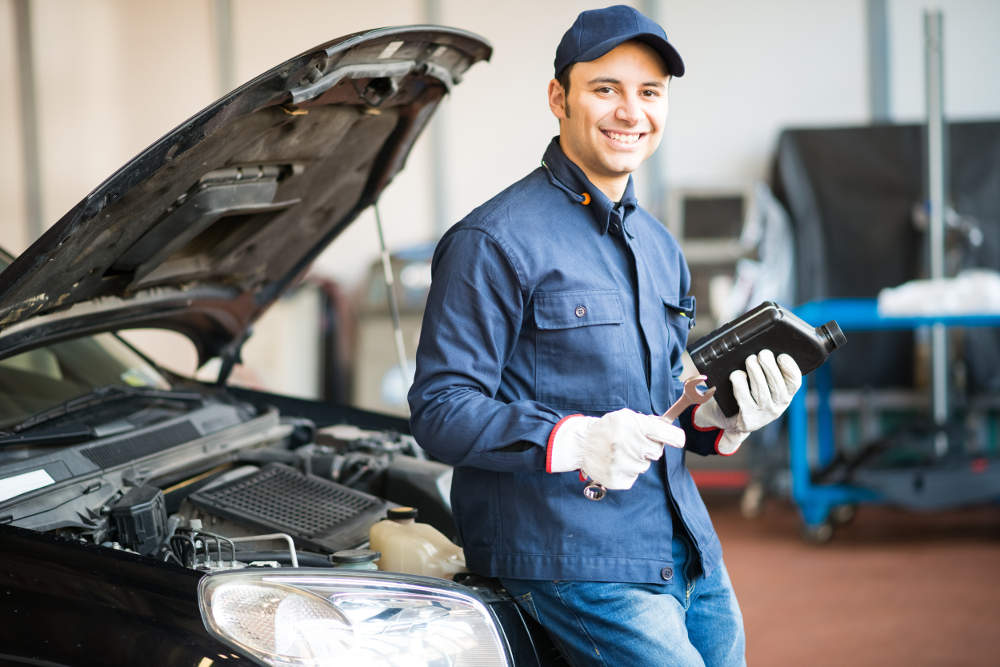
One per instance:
(672, 59)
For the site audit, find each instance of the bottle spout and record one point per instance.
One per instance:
(834, 336)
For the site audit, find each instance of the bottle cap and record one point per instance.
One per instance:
(402, 513)
(355, 556)
(834, 335)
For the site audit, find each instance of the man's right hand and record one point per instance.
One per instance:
(612, 450)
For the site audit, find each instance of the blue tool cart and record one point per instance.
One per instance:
(952, 482)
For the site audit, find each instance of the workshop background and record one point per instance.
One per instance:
(773, 88)
(87, 85)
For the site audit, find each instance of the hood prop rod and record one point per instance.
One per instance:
(230, 355)
(390, 284)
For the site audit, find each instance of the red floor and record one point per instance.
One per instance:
(891, 588)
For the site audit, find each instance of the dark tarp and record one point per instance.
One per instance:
(851, 193)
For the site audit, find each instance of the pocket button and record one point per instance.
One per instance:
(580, 311)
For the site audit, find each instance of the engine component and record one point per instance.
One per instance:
(317, 513)
(355, 559)
(140, 516)
(425, 484)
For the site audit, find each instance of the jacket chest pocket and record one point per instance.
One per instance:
(679, 315)
(580, 350)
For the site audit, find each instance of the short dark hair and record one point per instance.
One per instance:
(563, 80)
(563, 77)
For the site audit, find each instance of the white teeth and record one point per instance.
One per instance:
(623, 138)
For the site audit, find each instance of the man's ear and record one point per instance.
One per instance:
(557, 99)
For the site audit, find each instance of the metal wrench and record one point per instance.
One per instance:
(690, 396)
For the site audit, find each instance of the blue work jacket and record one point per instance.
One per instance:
(546, 301)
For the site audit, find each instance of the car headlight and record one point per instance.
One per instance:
(310, 617)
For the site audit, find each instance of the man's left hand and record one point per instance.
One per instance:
(763, 392)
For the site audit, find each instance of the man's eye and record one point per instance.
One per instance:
(605, 90)
(651, 93)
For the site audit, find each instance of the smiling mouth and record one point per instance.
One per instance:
(624, 138)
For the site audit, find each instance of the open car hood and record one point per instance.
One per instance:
(204, 229)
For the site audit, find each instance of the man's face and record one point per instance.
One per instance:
(612, 118)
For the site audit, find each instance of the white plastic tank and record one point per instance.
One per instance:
(414, 548)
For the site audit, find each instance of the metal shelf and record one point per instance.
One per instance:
(815, 501)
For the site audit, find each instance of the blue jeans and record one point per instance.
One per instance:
(688, 621)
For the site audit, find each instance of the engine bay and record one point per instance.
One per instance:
(225, 485)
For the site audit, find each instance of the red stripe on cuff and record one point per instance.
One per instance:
(552, 438)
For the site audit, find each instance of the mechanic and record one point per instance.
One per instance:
(552, 338)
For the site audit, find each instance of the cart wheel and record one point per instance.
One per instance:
(752, 500)
(820, 533)
(843, 514)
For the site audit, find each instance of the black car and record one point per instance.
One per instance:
(151, 519)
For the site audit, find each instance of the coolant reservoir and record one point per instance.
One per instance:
(414, 548)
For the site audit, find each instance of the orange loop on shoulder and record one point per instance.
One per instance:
(586, 198)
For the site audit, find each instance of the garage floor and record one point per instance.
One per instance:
(891, 588)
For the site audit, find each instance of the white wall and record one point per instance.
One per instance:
(971, 58)
(752, 69)
(13, 234)
(113, 75)
(502, 123)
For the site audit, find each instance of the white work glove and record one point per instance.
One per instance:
(612, 450)
(771, 387)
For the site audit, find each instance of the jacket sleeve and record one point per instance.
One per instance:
(471, 324)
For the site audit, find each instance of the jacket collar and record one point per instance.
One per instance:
(564, 174)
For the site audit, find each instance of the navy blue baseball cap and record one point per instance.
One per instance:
(597, 31)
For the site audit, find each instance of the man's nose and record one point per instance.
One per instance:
(628, 110)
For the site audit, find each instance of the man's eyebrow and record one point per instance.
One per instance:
(608, 79)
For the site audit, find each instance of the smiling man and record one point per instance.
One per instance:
(620, 104)
(552, 338)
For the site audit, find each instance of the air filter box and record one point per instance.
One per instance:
(319, 514)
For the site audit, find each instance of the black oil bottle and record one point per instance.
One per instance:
(766, 327)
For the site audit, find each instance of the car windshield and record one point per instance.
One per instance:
(47, 376)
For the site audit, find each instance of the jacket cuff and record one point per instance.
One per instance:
(552, 440)
(708, 429)
(702, 440)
